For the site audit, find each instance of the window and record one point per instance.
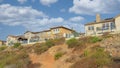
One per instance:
(112, 25)
(68, 35)
(56, 30)
(91, 28)
(105, 26)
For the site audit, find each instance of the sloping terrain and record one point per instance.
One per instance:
(86, 52)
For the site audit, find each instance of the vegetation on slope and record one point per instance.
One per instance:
(40, 48)
(12, 59)
(90, 57)
(95, 58)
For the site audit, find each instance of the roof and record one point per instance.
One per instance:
(102, 21)
(49, 30)
(13, 36)
(20, 36)
(32, 32)
(117, 16)
(62, 27)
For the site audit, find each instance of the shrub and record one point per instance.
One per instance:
(49, 43)
(9, 58)
(40, 48)
(95, 39)
(72, 43)
(17, 45)
(20, 47)
(101, 58)
(22, 55)
(58, 55)
(3, 48)
(59, 41)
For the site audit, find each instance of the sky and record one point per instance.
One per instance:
(18, 16)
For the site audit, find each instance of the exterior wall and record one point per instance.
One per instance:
(29, 36)
(96, 32)
(117, 21)
(11, 40)
(45, 35)
(66, 32)
(62, 32)
(1, 43)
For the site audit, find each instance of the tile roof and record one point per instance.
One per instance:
(50, 29)
(102, 21)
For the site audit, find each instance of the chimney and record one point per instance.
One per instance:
(97, 17)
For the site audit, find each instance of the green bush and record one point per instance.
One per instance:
(40, 49)
(17, 45)
(3, 48)
(58, 55)
(72, 43)
(102, 58)
(95, 39)
(49, 43)
(59, 41)
(9, 58)
(99, 53)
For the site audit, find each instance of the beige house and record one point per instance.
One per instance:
(99, 27)
(2, 42)
(52, 33)
(11, 40)
(34, 37)
(15, 39)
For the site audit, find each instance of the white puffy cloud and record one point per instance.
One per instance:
(22, 1)
(76, 19)
(47, 2)
(94, 6)
(33, 19)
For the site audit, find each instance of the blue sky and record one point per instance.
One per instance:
(18, 16)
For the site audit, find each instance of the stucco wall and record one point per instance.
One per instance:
(117, 21)
(96, 32)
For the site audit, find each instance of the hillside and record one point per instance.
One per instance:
(86, 52)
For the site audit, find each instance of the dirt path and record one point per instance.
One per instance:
(45, 59)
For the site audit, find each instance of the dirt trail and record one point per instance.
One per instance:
(45, 59)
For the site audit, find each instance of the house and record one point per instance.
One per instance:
(52, 33)
(15, 39)
(60, 31)
(11, 40)
(100, 27)
(33, 37)
(2, 42)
